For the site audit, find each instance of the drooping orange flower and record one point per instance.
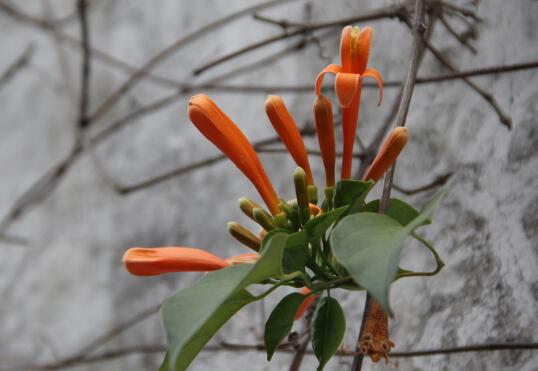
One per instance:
(388, 153)
(216, 126)
(288, 132)
(323, 114)
(307, 302)
(142, 261)
(354, 52)
(375, 341)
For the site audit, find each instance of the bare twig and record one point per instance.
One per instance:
(182, 170)
(389, 12)
(457, 36)
(174, 47)
(84, 96)
(18, 64)
(284, 348)
(437, 182)
(419, 29)
(503, 117)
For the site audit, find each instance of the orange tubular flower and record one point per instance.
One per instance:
(323, 114)
(287, 130)
(307, 302)
(142, 261)
(375, 341)
(216, 126)
(354, 52)
(388, 153)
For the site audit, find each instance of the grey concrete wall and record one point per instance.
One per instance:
(67, 285)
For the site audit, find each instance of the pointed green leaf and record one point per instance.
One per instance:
(194, 314)
(328, 327)
(396, 209)
(369, 246)
(165, 363)
(317, 226)
(280, 321)
(351, 193)
(295, 254)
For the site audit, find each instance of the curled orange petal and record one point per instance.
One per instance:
(287, 130)
(216, 126)
(331, 68)
(388, 153)
(142, 261)
(361, 54)
(323, 114)
(307, 302)
(248, 257)
(374, 74)
(347, 86)
(348, 38)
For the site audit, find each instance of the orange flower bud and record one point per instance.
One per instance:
(388, 153)
(287, 130)
(142, 261)
(375, 341)
(314, 209)
(323, 114)
(216, 126)
(307, 302)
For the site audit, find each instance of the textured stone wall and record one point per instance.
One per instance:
(66, 286)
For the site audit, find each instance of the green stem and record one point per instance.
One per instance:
(438, 260)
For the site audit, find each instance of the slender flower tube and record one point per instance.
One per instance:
(216, 126)
(354, 53)
(287, 130)
(388, 153)
(375, 341)
(307, 302)
(246, 258)
(142, 261)
(323, 114)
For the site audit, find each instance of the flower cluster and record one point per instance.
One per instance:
(292, 215)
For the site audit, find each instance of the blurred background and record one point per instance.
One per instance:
(97, 155)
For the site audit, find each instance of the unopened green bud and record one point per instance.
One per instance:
(263, 219)
(313, 194)
(244, 236)
(247, 206)
(329, 194)
(280, 219)
(299, 179)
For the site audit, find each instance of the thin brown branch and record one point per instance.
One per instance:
(503, 117)
(463, 41)
(284, 348)
(385, 13)
(174, 47)
(437, 182)
(419, 30)
(39, 189)
(84, 96)
(185, 169)
(18, 64)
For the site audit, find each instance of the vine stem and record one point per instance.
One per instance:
(419, 30)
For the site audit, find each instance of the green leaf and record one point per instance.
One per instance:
(316, 227)
(295, 253)
(194, 314)
(369, 246)
(165, 363)
(328, 327)
(352, 193)
(280, 321)
(396, 209)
